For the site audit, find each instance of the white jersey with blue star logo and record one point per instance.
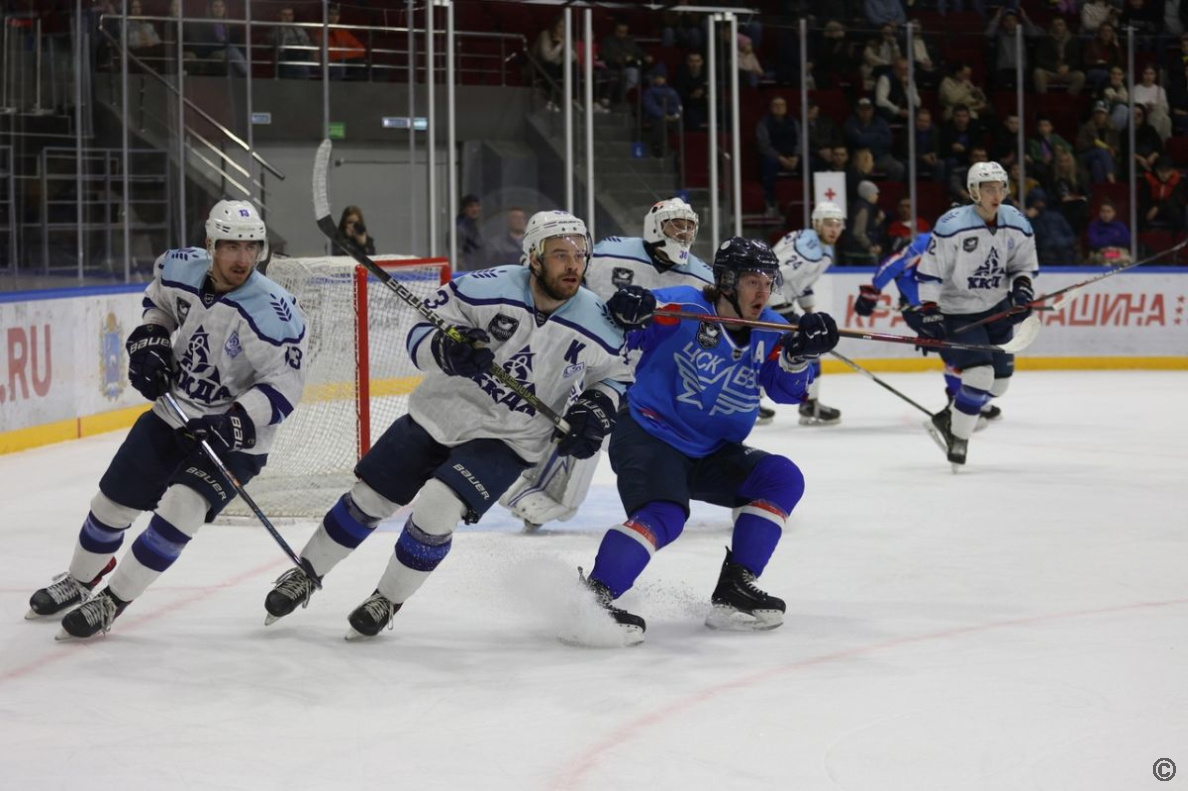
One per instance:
(575, 348)
(969, 266)
(246, 346)
(619, 262)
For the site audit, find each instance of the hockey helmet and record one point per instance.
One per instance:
(980, 173)
(545, 225)
(736, 256)
(675, 248)
(236, 220)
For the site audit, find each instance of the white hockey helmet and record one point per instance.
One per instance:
(545, 225)
(827, 210)
(674, 249)
(980, 173)
(236, 220)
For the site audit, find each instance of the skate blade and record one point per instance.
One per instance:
(763, 421)
(982, 423)
(64, 636)
(956, 467)
(353, 635)
(33, 615)
(937, 437)
(816, 421)
(529, 528)
(630, 636)
(270, 619)
(728, 619)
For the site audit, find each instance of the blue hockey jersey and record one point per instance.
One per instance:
(901, 267)
(695, 388)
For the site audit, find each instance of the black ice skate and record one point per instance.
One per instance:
(64, 593)
(814, 413)
(766, 415)
(292, 588)
(739, 605)
(372, 616)
(94, 617)
(632, 625)
(940, 428)
(988, 414)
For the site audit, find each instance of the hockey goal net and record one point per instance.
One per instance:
(357, 381)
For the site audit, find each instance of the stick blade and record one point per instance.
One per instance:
(321, 165)
(1025, 333)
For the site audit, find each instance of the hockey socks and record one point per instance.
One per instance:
(626, 549)
(774, 487)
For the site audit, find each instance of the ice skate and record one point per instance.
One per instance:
(292, 588)
(93, 617)
(766, 415)
(372, 617)
(940, 428)
(988, 414)
(739, 605)
(64, 593)
(957, 452)
(631, 626)
(814, 413)
(530, 527)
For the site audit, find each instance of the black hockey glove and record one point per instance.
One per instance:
(231, 430)
(1022, 293)
(632, 307)
(815, 334)
(927, 321)
(150, 360)
(469, 357)
(590, 419)
(867, 301)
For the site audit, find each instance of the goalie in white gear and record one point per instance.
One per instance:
(804, 256)
(981, 261)
(553, 490)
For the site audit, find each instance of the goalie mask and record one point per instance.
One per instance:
(545, 225)
(670, 228)
(980, 173)
(236, 220)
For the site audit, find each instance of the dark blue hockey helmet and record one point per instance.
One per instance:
(737, 255)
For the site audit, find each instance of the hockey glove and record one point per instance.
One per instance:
(814, 335)
(231, 430)
(150, 360)
(1021, 296)
(590, 419)
(927, 321)
(469, 358)
(632, 307)
(867, 301)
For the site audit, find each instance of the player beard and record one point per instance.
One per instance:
(555, 287)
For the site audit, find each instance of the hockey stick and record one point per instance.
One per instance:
(1066, 295)
(870, 375)
(301, 563)
(1019, 342)
(326, 223)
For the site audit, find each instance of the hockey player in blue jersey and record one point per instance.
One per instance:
(693, 403)
(228, 344)
(467, 437)
(554, 488)
(980, 261)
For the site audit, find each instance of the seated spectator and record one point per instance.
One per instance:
(624, 59)
(1004, 141)
(508, 247)
(1163, 198)
(691, 84)
(1177, 91)
(779, 144)
(899, 231)
(860, 168)
(863, 241)
(346, 53)
(682, 29)
(879, 54)
(1117, 98)
(142, 34)
(1068, 190)
(929, 164)
(832, 56)
(893, 94)
(1042, 147)
(749, 69)
(882, 12)
(352, 227)
(1055, 240)
(1101, 54)
(285, 39)
(1058, 60)
(215, 44)
(958, 137)
(864, 129)
(1153, 98)
(1109, 238)
(661, 107)
(1095, 13)
(839, 159)
(927, 62)
(1097, 145)
(471, 247)
(823, 135)
(1005, 44)
(549, 51)
(1014, 190)
(959, 172)
(958, 90)
(1148, 146)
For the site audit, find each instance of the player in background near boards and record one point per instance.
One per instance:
(981, 260)
(467, 437)
(557, 486)
(693, 403)
(229, 345)
(900, 268)
(804, 255)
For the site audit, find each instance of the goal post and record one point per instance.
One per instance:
(358, 376)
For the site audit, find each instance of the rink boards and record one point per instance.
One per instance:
(63, 373)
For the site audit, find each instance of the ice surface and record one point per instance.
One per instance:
(1021, 625)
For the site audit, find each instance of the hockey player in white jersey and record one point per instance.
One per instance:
(466, 437)
(980, 261)
(229, 344)
(554, 488)
(804, 256)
